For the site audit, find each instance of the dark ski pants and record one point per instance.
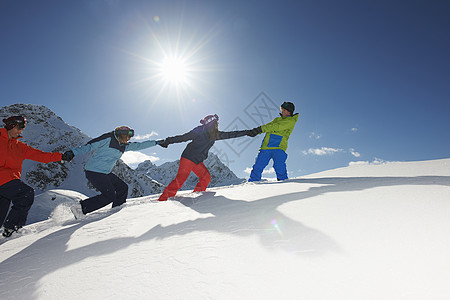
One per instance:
(22, 197)
(279, 157)
(184, 169)
(112, 188)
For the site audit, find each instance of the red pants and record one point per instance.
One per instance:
(185, 168)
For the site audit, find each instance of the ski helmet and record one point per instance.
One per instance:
(124, 130)
(14, 121)
(289, 106)
(209, 120)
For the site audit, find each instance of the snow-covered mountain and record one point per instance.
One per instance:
(221, 175)
(360, 232)
(48, 132)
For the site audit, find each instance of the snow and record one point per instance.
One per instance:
(360, 232)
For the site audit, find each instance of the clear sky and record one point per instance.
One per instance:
(370, 79)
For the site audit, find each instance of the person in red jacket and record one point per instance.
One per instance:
(12, 154)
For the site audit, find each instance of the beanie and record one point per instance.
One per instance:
(13, 121)
(289, 106)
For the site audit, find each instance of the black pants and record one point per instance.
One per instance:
(112, 188)
(22, 197)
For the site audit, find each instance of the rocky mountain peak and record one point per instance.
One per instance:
(48, 132)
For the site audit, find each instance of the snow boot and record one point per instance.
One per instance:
(77, 211)
(8, 232)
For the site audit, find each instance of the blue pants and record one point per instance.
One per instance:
(112, 188)
(262, 160)
(22, 197)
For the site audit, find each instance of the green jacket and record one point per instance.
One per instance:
(278, 132)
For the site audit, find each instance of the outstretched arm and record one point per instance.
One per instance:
(140, 146)
(278, 124)
(176, 139)
(223, 135)
(90, 146)
(40, 156)
(254, 132)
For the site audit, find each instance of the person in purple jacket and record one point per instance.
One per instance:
(202, 139)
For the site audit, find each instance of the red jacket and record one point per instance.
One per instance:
(12, 154)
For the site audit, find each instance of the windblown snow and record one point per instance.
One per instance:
(360, 232)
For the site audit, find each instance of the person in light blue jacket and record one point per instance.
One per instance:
(107, 150)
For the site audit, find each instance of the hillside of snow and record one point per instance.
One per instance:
(360, 232)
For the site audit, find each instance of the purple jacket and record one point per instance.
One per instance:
(197, 150)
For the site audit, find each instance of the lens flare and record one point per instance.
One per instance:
(276, 226)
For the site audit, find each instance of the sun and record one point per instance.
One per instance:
(174, 70)
(176, 63)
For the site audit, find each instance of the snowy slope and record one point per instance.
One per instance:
(361, 232)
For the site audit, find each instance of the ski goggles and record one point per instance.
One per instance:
(209, 119)
(125, 131)
(14, 121)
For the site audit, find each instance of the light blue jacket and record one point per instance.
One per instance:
(107, 151)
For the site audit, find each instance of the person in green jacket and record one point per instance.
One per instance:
(275, 143)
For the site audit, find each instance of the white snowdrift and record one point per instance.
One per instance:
(361, 232)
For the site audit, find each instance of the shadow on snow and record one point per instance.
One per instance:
(235, 217)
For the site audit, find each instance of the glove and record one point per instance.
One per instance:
(162, 143)
(68, 155)
(254, 132)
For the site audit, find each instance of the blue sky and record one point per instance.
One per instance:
(370, 79)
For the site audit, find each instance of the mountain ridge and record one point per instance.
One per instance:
(48, 132)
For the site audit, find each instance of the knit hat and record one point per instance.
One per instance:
(289, 106)
(209, 120)
(14, 121)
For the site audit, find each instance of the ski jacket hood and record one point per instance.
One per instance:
(12, 154)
